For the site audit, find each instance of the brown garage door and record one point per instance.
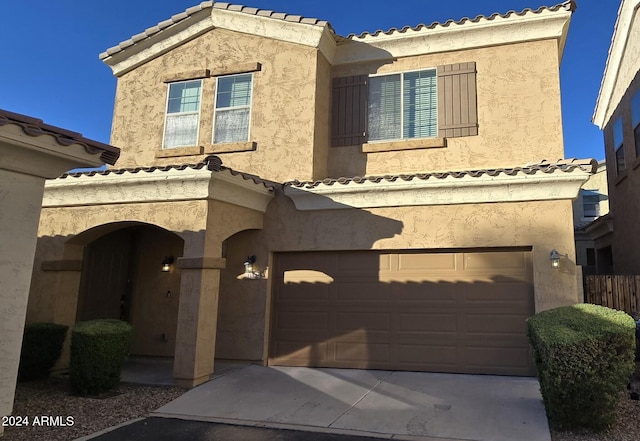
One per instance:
(461, 311)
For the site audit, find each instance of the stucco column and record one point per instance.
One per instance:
(197, 320)
(21, 197)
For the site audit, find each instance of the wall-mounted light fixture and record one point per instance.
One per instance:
(166, 264)
(555, 259)
(250, 269)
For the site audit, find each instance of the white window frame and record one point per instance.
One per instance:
(248, 106)
(402, 73)
(166, 114)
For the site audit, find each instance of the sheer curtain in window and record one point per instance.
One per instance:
(233, 109)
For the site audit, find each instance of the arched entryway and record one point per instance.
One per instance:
(122, 278)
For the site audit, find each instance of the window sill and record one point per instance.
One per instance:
(413, 144)
(620, 178)
(231, 147)
(179, 151)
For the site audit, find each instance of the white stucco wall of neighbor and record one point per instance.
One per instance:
(28, 155)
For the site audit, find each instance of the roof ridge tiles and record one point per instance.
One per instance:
(544, 166)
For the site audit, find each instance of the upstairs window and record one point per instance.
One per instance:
(591, 203)
(183, 114)
(232, 109)
(635, 121)
(428, 103)
(403, 106)
(618, 145)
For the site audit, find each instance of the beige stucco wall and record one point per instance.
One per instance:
(244, 304)
(518, 92)
(21, 196)
(282, 115)
(519, 113)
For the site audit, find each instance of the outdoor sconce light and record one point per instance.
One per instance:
(166, 264)
(555, 259)
(250, 270)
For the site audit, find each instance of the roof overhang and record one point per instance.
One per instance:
(509, 185)
(200, 19)
(29, 146)
(611, 81)
(158, 185)
(543, 24)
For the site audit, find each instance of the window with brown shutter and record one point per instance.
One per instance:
(457, 105)
(349, 106)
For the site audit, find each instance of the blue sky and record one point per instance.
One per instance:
(50, 67)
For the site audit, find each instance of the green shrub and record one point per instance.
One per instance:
(98, 349)
(584, 355)
(41, 348)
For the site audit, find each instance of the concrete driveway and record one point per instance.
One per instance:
(388, 404)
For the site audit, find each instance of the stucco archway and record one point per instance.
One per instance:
(121, 278)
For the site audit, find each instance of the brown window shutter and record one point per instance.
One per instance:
(457, 105)
(349, 110)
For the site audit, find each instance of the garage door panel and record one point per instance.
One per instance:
(305, 292)
(428, 323)
(486, 356)
(346, 321)
(430, 263)
(449, 312)
(489, 324)
(496, 261)
(294, 353)
(301, 320)
(362, 352)
(362, 292)
(443, 356)
(427, 293)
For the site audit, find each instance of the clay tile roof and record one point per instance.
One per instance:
(212, 163)
(569, 5)
(564, 165)
(211, 5)
(36, 127)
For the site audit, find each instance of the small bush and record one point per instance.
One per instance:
(41, 348)
(98, 349)
(584, 355)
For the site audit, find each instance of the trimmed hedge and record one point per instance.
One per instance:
(41, 348)
(98, 349)
(584, 354)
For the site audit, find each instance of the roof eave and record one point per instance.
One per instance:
(466, 34)
(624, 22)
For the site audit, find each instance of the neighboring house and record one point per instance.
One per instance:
(617, 113)
(591, 204)
(30, 152)
(392, 186)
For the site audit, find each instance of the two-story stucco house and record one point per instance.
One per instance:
(386, 200)
(617, 114)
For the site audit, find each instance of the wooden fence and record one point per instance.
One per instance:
(614, 291)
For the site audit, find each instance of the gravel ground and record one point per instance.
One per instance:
(52, 397)
(627, 428)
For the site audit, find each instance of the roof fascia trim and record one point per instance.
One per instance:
(619, 40)
(470, 35)
(156, 186)
(558, 185)
(160, 43)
